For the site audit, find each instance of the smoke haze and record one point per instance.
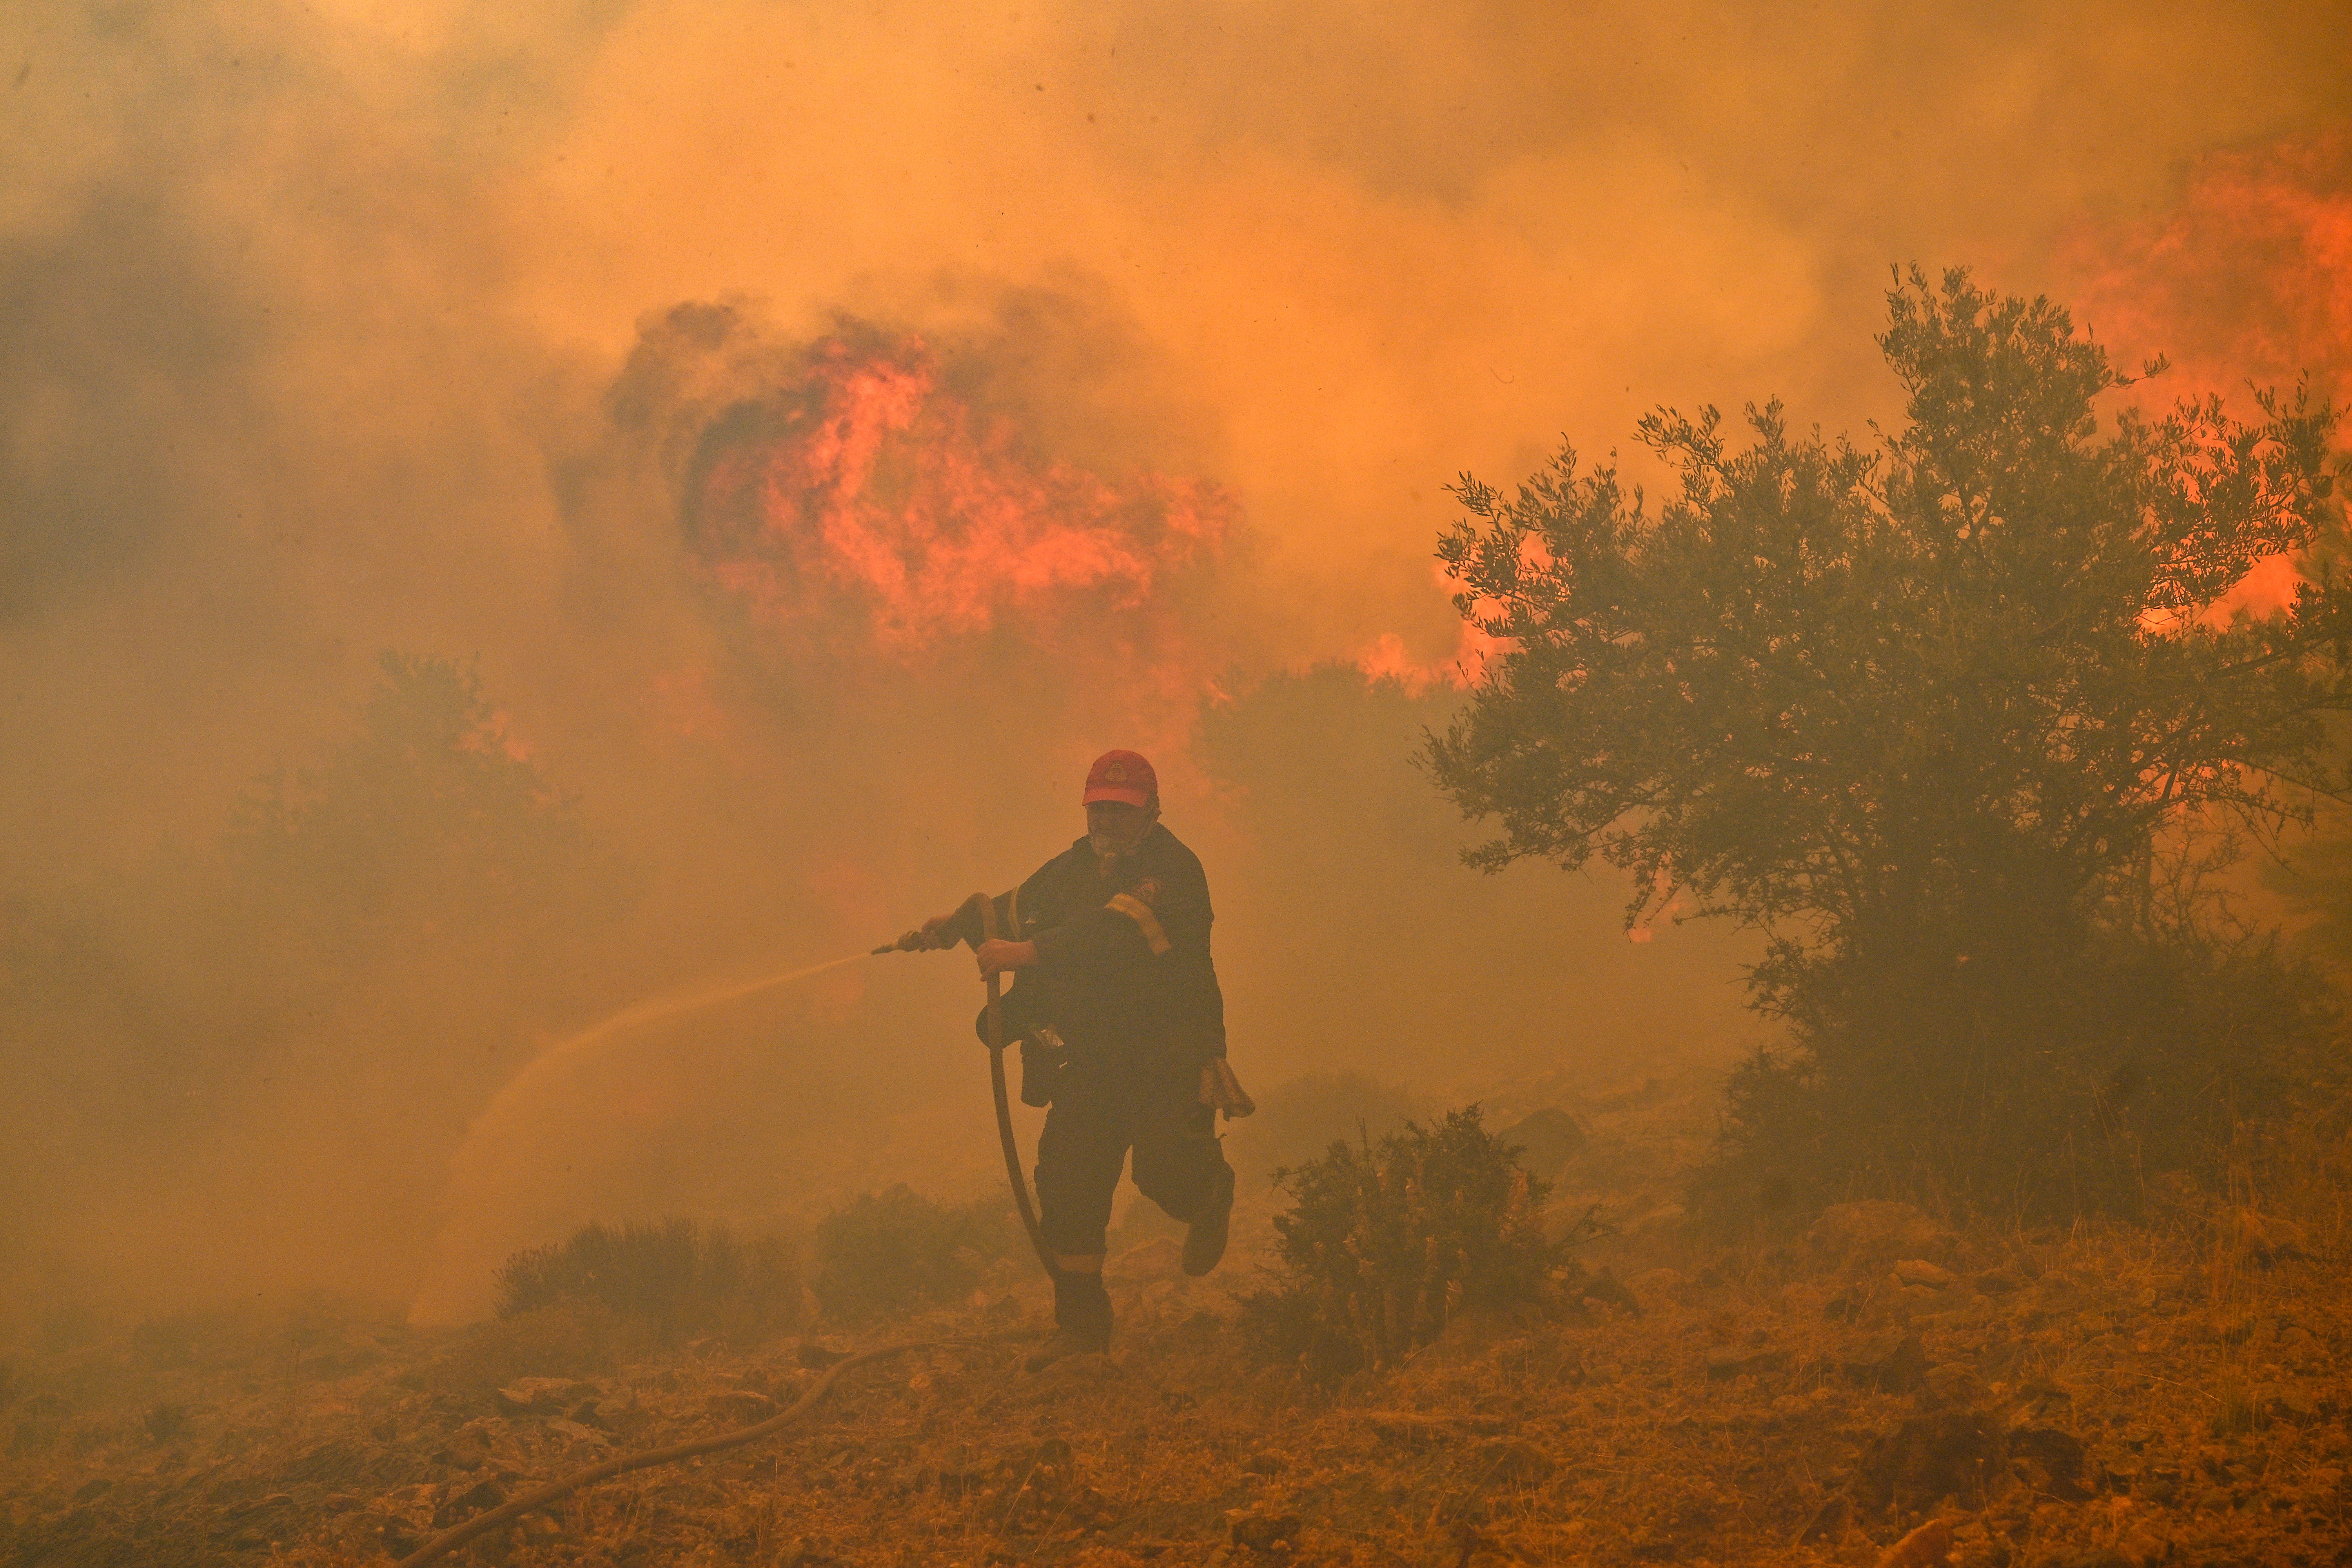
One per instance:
(818, 433)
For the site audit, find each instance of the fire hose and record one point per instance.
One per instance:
(985, 930)
(538, 1500)
(533, 1501)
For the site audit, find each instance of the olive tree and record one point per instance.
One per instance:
(1935, 710)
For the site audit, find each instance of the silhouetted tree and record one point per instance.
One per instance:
(422, 830)
(1931, 711)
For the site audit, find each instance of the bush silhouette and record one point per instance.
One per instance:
(674, 1275)
(897, 1251)
(1389, 1241)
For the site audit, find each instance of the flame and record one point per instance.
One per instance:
(1387, 657)
(870, 488)
(2248, 276)
(2247, 279)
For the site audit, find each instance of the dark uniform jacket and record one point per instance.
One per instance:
(1123, 974)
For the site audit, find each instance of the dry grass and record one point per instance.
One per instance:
(2198, 1362)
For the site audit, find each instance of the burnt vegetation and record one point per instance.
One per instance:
(1951, 716)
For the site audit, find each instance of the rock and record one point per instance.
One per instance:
(1547, 1140)
(1956, 1382)
(2299, 1408)
(1928, 1458)
(1919, 1271)
(1999, 1281)
(1264, 1531)
(1604, 1286)
(2048, 1460)
(1847, 1304)
(1830, 1522)
(537, 1394)
(576, 1432)
(2036, 1400)
(1893, 1363)
(1929, 1546)
(1722, 1366)
(1876, 1231)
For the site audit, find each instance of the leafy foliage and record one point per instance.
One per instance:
(1930, 713)
(1386, 1242)
(675, 1277)
(896, 1251)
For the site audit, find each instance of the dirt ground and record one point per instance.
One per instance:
(1872, 1390)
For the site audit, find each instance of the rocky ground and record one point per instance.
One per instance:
(1877, 1390)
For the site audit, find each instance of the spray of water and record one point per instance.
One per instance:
(456, 1278)
(619, 1026)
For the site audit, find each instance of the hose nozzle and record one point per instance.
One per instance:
(964, 927)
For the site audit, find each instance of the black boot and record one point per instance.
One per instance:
(1081, 1320)
(1204, 1238)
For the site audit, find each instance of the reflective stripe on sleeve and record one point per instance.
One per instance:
(1147, 922)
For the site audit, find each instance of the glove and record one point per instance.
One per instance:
(1221, 1090)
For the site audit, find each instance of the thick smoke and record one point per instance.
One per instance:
(504, 340)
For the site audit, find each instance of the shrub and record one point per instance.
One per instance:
(674, 1277)
(2128, 1060)
(897, 1250)
(1386, 1242)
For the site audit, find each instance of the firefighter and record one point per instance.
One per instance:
(1122, 1029)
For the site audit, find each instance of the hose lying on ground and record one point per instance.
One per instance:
(449, 1540)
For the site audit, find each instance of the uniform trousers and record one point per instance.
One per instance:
(1102, 1111)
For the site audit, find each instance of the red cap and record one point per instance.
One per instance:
(1122, 775)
